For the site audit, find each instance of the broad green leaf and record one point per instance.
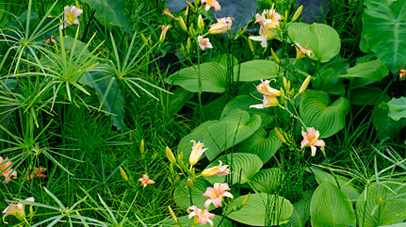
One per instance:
(255, 70)
(329, 80)
(226, 60)
(261, 143)
(268, 180)
(178, 100)
(322, 39)
(381, 204)
(111, 12)
(243, 167)
(220, 135)
(181, 195)
(331, 207)
(101, 79)
(385, 127)
(369, 95)
(316, 111)
(212, 110)
(397, 108)
(295, 28)
(244, 102)
(345, 183)
(302, 208)
(366, 73)
(394, 225)
(261, 210)
(385, 31)
(212, 75)
(186, 222)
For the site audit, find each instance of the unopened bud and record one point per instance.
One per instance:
(285, 83)
(275, 57)
(168, 13)
(144, 39)
(200, 23)
(142, 147)
(182, 24)
(188, 44)
(189, 183)
(163, 33)
(169, 155)
(250, 45)
(279, 135)
(297, 13)
(187, 10)
(304, 85)
(123, 174)
(190, 4)
(173, 215)
(246, 200)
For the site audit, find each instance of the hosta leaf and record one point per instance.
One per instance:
(366, 73)
(225, 60)
(100, 78)
(331, 207)
(397, 108)
(294, 29)
(316, 111)
(345, 183)
(262, 144)
(178, 100)
(369, 95)
(259, 205)
(322, 39)
(268, 180)
(329, 80)
(213, 78)
(385, 127)
(385, 31)
(111, 12)
(294, 220)
(230, 130)
(181, 194)
(255, 70)
(381, 204)
(243, 167)
(185, 221)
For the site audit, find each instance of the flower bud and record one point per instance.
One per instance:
(123, 174)
(189, 183)
(200, 23)
(163, 33)
(173, 215)
(305, 84)
(182, 24)
(279, 135)
(275, 57)
(245, 200)
(169, 155)
(297, 13)
(251, 46)
(142, 147)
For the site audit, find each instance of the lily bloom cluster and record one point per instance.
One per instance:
(310, 139)
(269, 22)
(16, 210)
(70, 16)
(269, 95)
(6, 171)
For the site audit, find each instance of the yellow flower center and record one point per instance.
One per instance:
(70, 17)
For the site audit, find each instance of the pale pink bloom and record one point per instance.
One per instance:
(310, 139)
(302, 51)
(268, 101)
(197, 152)
(219, 170)
(37, 173)
(145, 180)
(211, 3)
(265, 89)
(272, 15)
(268, 20)
(6, 170)
(204, 42)
(216, 194)
(16, 210)
(203, 216)
(70, 16)
(402, 73)
(222, 26)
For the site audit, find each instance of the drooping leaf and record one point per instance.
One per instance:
(384, 30)
(111, 12)
(181, 194)
(331, 207)
(254, 212)
(101, 79)
(369, 95)
(243, 167)
(262, 144)
(267, 180)
(313, 10)
(385, 126)
(345, 183)
(316, 111)
(294, 220)
(185, 221)
(230, 130)
(255, 70)
(381, 204)
(329, 80)
(397, 108)
(322, 39)
(366, 73)
(178, 100)
(213, 78)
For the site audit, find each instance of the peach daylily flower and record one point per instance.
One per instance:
(16, 210)
(168, 13)
(163, 32)
(268, 101)
(269, 93)
(268, 20)
(216, 194)
(145, 180)
(204, 42)
(70, 16)
(402, 73)
(37, 173)
(197, 151)
(302, 51)
(6, 170)
(222, 26)
(310, 139)
(211, 3)
(219, 170)
(202, 216)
